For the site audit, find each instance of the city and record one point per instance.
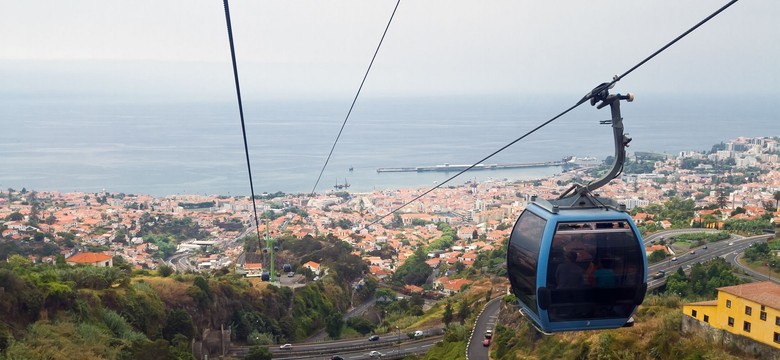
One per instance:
(736, 180)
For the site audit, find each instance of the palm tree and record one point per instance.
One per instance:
(777, 198)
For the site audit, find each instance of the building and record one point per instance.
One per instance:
(253, 269)
(90, 258)
(748, 310)
(450, 286)
(313, 266)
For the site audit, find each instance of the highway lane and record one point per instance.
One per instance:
(727, 249)
(417, 347)
(350, 349)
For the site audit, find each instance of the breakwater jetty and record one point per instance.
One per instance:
(452, 167)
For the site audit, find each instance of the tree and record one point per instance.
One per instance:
(464, 311)
(260, 338)
(15, 216)
(50, 220)
(396, 224)
(414, 270)
(165, 270)
(447, 317)
(258, 353)
(334, 323)
(361, 324)
(656, 256)
(776, 196)
(178, 321)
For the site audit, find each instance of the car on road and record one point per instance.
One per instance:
(486, 342)
(375, 353)
(290, 274)
(659, 274)
(488, 334)
(336, 357)
(705, 247)
(418, 333)
(285, 347)
(731, 243)
(373, 338)
(693, 252)
(674, 258)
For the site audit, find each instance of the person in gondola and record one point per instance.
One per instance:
(569, 275)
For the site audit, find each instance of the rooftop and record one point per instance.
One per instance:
(765, 292)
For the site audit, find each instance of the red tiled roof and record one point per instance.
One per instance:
(88, 258)
(765, 293)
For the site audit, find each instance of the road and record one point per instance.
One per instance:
(388, 345)
(395, 346)
(697, 255)
(486, 320)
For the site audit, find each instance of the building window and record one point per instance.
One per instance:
(777, 338)
(762, 315)
(706, 318)
(777, 320)
(731, 321)
(748, 310)
(728, 303)
(693, 313)
(746, 326)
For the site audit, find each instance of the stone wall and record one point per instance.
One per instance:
(727, 339)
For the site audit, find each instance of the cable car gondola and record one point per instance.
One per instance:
(578, 262)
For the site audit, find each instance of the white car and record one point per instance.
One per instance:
(374, 354)
(285, 347)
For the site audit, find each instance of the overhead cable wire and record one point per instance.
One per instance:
(355, 99)
(241, 114)
(587, 97)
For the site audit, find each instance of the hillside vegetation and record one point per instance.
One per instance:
(66, 312)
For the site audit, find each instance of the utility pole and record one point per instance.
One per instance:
(398, 335)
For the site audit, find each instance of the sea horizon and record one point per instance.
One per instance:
(161, 148)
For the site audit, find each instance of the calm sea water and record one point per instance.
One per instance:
(197, 148)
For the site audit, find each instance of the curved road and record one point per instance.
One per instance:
(486, 320)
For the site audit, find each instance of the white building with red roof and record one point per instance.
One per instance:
(90, 258)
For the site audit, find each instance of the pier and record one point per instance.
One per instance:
(450, 167)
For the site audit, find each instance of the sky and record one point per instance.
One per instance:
(178, 50)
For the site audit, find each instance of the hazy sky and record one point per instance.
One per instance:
(179, 49)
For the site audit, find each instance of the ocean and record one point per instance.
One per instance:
(52, 143)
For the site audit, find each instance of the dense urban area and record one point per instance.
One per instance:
(183, 276)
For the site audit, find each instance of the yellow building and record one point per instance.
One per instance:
(749, 310)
